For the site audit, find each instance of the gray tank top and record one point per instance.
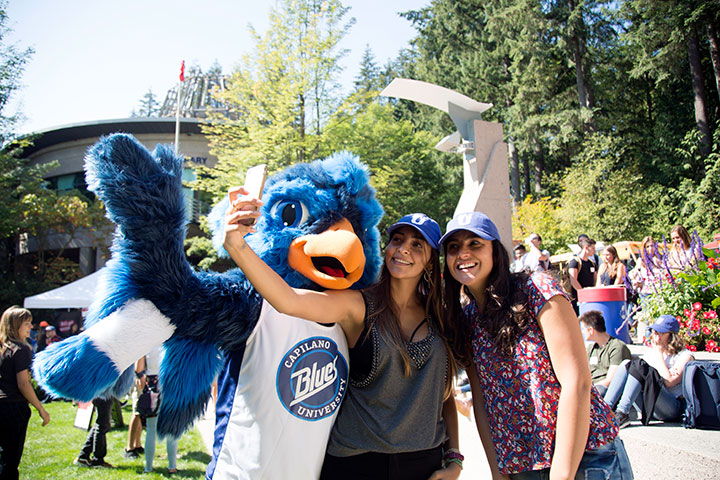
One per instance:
(386, 412)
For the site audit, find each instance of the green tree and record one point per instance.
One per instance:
(369, 78)
(407, 173)
(521, 56)
(149, 105)
(666, 38)
(13, 60)
(540, 216)
(283, 94)
(605, 196)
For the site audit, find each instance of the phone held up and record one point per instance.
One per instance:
(254, 183)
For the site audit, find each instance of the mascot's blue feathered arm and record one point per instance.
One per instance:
(149, 294)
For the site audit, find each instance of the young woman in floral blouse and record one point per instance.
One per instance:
(520, 342)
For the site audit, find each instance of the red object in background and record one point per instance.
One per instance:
(602, 294)
(182, 71)
(715, 243)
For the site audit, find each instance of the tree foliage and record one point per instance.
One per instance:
(149, 106)
(283, 93)
(289, 110)
(598, 98)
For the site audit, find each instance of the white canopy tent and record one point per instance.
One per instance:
(78, 294)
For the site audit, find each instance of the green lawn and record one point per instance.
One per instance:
(49, 451)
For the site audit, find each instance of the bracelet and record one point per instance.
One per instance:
(451, 453)
(456, 461)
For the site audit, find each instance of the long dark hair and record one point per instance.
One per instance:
(428, 293)
(505, 313)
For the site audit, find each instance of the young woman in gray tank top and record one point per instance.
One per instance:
(398, 420)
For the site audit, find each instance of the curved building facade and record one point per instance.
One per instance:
(68, 144)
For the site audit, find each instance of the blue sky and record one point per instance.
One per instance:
(95, 59)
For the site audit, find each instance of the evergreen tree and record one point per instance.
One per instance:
(12, 64)
(369, 77)
(149, 105)
(283, 94)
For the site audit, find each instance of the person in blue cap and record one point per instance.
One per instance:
(520, 342)
(653, 382)
(398, 419)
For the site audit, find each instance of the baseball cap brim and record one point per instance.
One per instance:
(475, 222)
(480, 233)
(432, 242)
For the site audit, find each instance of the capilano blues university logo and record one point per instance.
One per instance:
(312, 379)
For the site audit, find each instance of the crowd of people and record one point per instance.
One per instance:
(549, 391)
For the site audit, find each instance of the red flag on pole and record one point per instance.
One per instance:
(182, 71)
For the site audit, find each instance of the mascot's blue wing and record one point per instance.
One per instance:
(186, 374)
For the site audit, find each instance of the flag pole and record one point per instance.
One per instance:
(177, 108)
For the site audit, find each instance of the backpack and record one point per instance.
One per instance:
(701, 389)
(148, 403)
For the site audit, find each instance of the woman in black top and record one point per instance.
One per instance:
(15, 388)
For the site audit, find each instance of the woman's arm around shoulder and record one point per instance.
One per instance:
(598, 280)
(569, 361)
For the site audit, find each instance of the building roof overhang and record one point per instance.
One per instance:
(133, 125)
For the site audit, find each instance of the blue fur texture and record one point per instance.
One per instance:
(211, 312)
(123, 384)
(58, 369)
(330, 189)
(200, 364)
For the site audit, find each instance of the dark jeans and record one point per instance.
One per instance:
(95, 443)
(14, 418)
(383, 466)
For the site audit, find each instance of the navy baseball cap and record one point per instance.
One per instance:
(428, 228)
(475, 222)
(665, 323)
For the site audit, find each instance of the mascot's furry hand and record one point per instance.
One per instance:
(150, 294)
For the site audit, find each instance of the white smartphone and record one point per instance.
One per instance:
(254, 182)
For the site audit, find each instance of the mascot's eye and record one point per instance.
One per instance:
(292, 213)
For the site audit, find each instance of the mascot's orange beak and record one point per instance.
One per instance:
(332, 259)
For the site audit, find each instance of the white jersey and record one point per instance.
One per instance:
(277, 400)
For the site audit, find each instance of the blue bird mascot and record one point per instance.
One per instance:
(280, 379)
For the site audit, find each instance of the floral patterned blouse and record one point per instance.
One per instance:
(521, 392)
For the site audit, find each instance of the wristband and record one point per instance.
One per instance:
(456, 461)
(453, 453)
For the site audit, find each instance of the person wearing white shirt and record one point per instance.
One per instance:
(536, 260)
